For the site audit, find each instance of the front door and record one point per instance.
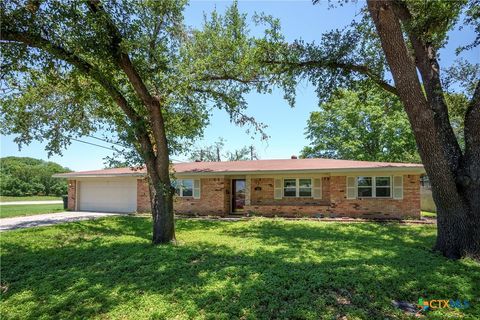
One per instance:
(238, 195)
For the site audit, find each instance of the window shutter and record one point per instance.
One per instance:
(317, 188)
(351, 188)
(278, 189)
(398, 187)
(196, 189)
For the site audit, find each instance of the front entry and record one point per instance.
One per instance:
(238, 195)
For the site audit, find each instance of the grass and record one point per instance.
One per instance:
(9, 211)
(427, 214)
(258, 269)
(29, 198)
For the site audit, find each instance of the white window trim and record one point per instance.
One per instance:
(180, 188)
(374, 187)
(297, 188)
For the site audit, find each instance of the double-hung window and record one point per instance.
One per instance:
(290, 187)
(184, 188)
(374, 187)
(297, 187)
(305, 187)
(383, 187)
(365, 187)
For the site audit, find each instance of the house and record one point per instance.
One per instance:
(289, 187)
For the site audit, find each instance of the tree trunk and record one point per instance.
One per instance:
(455, 179)
(162, 214)
(161, 202)
(457, 224)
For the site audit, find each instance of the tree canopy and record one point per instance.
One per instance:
(395, 45)
(22, 176)
(369, 125)
(134, 68)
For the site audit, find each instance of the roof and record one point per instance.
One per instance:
(258, 167)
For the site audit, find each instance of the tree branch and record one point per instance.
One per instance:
(152, 103)
(122, 59)
(337, 65)
(472, 129)
(427, 63)
(36, 41)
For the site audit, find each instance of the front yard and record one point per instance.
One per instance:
(28, 198)
(20, 210)
(259, 269)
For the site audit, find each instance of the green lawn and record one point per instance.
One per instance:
(29, 198)
(8, 211)
(428, 214)
(258, 269)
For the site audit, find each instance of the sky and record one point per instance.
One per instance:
(286, 125)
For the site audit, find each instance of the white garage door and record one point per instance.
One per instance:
(108, 195)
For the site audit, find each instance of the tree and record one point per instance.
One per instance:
(22, 176)
(367, 125)
(399, 40)
(244, 153)
(209, 153)
(71, 68)
(215, 153)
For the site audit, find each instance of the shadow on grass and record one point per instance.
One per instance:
(261, 269)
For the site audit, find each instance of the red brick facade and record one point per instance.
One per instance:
(215, 198)
(409, 206)
(72, 194)
(143, 196)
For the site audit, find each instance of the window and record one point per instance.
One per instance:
(297, 187)
(184, 188)
(382, 187)
(374, 187)
(305, 186)
(365, 187)
(290, 187)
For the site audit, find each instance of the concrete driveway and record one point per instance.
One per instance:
(40, 220)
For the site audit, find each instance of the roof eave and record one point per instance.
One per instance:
(113, 175)
(418, 170)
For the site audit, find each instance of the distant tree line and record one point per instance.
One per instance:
(23, 176)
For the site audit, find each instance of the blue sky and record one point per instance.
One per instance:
(286, 126)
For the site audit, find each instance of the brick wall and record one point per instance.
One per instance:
(72, 194)
(215, 200)
(143, 196)
(227, 201)
(409, 206)
(263, 202)
(213, 194)
(262, 193)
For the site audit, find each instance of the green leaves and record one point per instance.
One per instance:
(366, 124)
(28, 176)
(63, 78)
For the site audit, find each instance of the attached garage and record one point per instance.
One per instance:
(107, 195)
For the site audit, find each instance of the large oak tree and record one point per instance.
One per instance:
(399, 40)
(70, 68)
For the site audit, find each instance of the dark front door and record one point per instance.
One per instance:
(238, 195)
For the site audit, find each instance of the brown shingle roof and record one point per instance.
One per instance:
(257, 166)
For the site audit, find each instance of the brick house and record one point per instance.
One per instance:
(291, 187)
